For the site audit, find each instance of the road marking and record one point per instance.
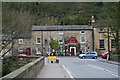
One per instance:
(105, 70)
(67, 71)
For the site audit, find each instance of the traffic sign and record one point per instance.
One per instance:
(67, 50)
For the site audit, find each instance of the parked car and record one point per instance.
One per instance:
(22, 55)
(105, 54)
(92, 55)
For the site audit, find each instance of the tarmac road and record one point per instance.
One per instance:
(88, 68)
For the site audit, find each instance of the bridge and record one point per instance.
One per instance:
(67, 68)
(39, 68)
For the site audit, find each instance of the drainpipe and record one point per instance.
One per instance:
(42, 43)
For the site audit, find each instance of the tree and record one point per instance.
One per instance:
(54, 44)
(14, 23)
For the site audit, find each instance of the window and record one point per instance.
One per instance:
(60, 39)
(46, 41)
(83, 49)
(20, 49)
(82, 39)
(112, 29)
(112, 43)
(101, 30)
(82, 32)
(38, 41)
(20, 41)
(101, 44)
(47, 49)
(61, 33)
(92, 53)
(1, 53)
(38, 51)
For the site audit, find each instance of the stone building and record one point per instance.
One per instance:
(101, 40)
(74, 34)
(38, 41)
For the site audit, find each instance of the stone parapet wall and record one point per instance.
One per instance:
(115, 57)
(30, 70)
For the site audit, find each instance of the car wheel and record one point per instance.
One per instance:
(95, 57)
(83, 57)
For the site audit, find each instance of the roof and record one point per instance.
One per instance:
(26, 34)
(61, 27)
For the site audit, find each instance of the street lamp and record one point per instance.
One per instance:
(93, 20)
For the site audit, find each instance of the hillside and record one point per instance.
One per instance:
(24, 15)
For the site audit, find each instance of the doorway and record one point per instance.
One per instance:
(72, 52)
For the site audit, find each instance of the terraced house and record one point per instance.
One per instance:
(38, 41)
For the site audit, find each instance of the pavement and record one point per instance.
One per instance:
(73, 67)
(53, 70)
(110, 61)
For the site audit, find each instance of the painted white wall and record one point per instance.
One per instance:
(74, 50)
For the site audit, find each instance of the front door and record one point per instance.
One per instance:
(72, 52)
(28, 51)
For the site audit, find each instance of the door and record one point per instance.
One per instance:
(72, 52)
(28, 51)
(87, 55)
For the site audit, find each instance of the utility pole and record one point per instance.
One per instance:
(108, 36)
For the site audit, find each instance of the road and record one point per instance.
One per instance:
(88, 68)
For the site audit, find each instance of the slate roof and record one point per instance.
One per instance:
(26, 34)
(61, 27)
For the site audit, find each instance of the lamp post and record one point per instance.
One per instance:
(93, 20)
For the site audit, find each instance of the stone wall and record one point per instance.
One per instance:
(30, 70)
(26, 44)
(115, 57)
(101, 35)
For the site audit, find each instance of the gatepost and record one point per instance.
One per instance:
(1, 66)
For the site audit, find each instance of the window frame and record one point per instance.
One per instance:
(84, 39)
(102, 44)
(61, 32)
(37, 51)
(20, 41)
(112, 44)
(20, 50)
(60, 39)
(37, 40)
(83, 47)
(82, 33)
(101, 31)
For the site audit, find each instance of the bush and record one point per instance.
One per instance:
(11, 63)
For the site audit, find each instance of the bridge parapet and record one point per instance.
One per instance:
(30, 70)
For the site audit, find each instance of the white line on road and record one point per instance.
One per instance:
(105, 70)
(68, 72)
